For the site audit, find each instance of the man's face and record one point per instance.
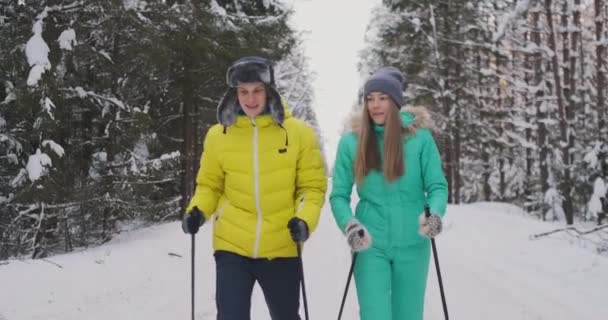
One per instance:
(252, 97)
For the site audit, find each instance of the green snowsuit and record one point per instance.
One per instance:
(391, 275)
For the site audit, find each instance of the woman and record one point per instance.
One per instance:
(263, 176)
(392, 158)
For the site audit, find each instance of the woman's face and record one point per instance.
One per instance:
(252, 97)
(378, 105)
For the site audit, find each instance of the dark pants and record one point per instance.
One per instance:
(279, 279)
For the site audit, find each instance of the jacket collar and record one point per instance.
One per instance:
(262, 120)
(412, 119)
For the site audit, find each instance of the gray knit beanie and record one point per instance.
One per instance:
(389, 81)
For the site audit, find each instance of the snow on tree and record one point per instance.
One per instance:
(516, 88)
(37, 51)
(600, 190)
(117, 97)
(554, 201)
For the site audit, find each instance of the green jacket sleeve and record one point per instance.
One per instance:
(210, 178)
(343, 181)
(311, 180)
(435, 184)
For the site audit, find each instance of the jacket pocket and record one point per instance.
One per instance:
(220, 211)
(301, 204)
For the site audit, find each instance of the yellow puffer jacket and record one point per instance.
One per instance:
(254, 177)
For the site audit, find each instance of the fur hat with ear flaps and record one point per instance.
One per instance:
(249, 69)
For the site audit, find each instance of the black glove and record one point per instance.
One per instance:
(192, 221)
(298, 229)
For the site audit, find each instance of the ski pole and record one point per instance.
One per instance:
(299, 246)
(192, 268)
(427, 213)
(350, 275)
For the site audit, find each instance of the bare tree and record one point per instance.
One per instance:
(565, 183)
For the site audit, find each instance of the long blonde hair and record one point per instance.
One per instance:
(368, 153)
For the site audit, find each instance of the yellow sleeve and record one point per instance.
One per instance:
(311, 180)
(210, 177)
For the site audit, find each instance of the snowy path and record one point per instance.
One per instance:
(494, 272)
(491, 271)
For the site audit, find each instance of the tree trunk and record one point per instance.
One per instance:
(457, 154)
(444, 71)
(575, 40)
(565, 184)
(502, 185)
(528, 130)
(600, 69)
(485, 154)
(188, 158)
(38, 233)
(572, 103)
(448, 151)
(538, 97)
(456, 135)
(498, 100)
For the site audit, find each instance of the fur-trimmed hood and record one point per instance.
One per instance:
(412, 119)
(227, 110)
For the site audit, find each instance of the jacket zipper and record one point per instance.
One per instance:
(256, 176)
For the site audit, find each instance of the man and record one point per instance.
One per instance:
(262, 176)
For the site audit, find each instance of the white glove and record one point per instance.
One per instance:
(430, 227)
(357, 235)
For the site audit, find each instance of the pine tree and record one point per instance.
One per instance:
(107, 124)
(516, 86)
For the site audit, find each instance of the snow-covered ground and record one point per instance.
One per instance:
(490, 268)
